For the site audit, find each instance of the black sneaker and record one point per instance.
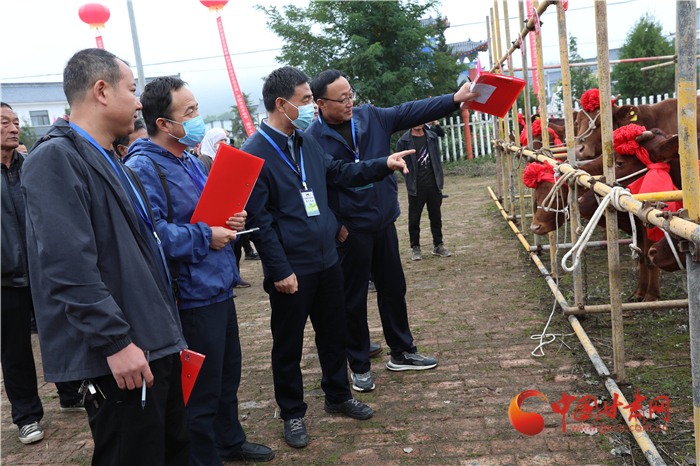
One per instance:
(411, 362)
(374, 350)
(371, 287)
(295, 433)
(351, 408)
(253, 452)
(31, 433)
(74, 408)
(252, 256)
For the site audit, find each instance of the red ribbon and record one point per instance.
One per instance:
(655, 180)
(536, 131)
(536, 173)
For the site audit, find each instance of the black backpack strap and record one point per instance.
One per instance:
(174, 267)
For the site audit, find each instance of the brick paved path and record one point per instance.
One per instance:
(474, 311)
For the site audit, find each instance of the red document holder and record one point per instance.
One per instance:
(507, 90)
(191, 364)
(230, 182)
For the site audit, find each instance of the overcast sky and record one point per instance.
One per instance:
(39, 36)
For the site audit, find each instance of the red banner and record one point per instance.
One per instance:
(98, 39)
(533, 57)
(240, 101)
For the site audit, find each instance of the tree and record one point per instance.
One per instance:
(238, 132)
(382, 46)
(645, 39)
(582, 78)
(28, 134)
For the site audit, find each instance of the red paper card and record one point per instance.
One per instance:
(230, 182)
(504, 90)
(191, 364)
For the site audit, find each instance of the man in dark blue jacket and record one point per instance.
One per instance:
(207, 269)
(297, 247)
(99, 282)
(367, 240)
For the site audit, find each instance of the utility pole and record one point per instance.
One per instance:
(137, 48)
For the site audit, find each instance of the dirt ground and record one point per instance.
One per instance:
(474, 311)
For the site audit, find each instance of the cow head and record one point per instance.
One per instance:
(661, 147)
(661, 255)
(588, 132)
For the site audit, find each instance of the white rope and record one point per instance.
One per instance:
(633, 174)
(613, 197)
(673, 249)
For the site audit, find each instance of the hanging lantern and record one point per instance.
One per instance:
(96, 15)
(217, 6)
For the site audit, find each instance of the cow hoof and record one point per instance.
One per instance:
(635, 299)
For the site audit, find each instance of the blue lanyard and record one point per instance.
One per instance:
(142, 209)
(198, 178)
(284, 157)
(357, 150)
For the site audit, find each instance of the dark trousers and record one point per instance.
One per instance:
(127, 435)
(18, 370)
(244, 244)
(212, 409)
(431, 196)
(320, 296)
(378, 253)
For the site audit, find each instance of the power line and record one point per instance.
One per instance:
(161, 63)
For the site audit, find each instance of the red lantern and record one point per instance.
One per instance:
(94, 14)
(214, 5)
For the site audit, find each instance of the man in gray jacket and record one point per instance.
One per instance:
(104, 307)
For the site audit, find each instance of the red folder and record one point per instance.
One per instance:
(506, 91)
(191, 364)
(231, 180)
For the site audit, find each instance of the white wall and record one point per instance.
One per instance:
(55, 109)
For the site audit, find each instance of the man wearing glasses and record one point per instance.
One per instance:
(366, 237)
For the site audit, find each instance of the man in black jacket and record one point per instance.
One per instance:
(104, 307)
(297, 247)
(424, 184)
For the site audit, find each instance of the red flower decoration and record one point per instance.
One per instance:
(624, 142)
(536, 131)
(521, 119)
(536, 173)
(590, 100)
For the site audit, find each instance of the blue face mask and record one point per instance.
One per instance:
(306, 115)
(194, 131)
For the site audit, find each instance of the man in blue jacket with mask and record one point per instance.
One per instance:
(366, 234)
(297, 247)
(206, 266)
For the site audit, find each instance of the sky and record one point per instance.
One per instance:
(40, 36)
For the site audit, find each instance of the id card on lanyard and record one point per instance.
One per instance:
(356, 152)
(307, 194)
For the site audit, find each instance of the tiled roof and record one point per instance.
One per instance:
(461, 49)
(22, 93)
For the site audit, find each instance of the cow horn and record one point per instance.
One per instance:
(645, 136)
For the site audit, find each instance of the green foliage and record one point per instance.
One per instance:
(582, 78)
(238, 132)
(645, 39)
(28, 134)
(379, 45)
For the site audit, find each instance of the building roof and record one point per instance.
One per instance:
(25, 93)
(462, 49)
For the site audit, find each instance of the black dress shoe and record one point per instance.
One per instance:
(374, 349)
(253, 452)
(243, 284)
(445, 195)
(252, 256)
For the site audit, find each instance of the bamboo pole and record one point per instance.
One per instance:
(642, 306)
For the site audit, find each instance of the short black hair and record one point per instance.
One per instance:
(282, 82)
(320, 84)
(156, 99)
(3, 104)
(87, 67)
(124, 141)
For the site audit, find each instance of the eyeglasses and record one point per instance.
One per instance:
(345, 100)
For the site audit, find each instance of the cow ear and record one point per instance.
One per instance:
(668, 150)
(534, 117)
(575, 115)
(625, 114)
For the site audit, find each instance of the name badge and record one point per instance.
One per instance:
(307, 195)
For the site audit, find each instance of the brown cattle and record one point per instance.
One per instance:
(661, 148)
(661, 254)
(662, 115)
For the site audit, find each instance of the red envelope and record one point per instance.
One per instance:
(191, 364)
(501, 100)
(230, 182)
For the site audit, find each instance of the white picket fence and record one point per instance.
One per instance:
(452, 145)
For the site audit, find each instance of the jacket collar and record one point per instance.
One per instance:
(407, 135)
